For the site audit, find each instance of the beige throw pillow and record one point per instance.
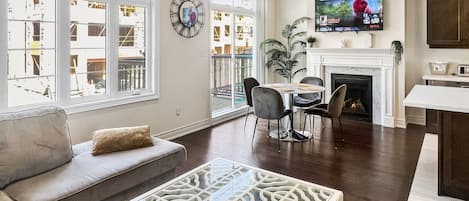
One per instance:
(121, 139)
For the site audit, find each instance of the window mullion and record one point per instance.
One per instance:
(233, 59)
(63, 52)
(112, 48)
(3, 55)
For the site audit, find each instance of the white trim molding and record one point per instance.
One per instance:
(199, 125)
(363, 61)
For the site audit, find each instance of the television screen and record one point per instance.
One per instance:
(349, 15)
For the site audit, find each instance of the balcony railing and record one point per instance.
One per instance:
(222, 84)
(132, 74)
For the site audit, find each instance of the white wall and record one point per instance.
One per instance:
(184, 78)
(394, 29)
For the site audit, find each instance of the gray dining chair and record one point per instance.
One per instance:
(268, 104)
(303, 101)
(249, 84)
(333, 110)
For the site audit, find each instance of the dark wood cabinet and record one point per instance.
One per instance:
(448, 23)
(453, 146)
(433, 121)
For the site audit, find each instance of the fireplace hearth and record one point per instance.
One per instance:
(359, 97)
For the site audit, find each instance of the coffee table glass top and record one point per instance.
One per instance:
(222, 180)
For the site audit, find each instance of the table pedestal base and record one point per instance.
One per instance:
(285, 136)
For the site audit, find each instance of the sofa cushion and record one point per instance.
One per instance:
(32, 142)
(121, 139)
(4, 197)
(85, 172)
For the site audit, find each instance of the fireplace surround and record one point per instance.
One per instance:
(377, 63)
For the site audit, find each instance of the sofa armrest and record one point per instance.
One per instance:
(4, 197)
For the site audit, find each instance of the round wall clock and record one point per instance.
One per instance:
(187, 17)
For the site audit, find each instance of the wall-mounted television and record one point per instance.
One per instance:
(349, 15)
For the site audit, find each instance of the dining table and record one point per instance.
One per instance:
(289, 90)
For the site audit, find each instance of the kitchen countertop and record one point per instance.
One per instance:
(447, 78)
(452, 99)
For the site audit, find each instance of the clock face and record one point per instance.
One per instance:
(187, 17)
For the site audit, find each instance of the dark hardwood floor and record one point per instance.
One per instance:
(374, 163)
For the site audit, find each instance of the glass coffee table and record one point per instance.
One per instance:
(222, 180)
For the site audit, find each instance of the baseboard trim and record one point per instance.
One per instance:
(401, 123)
(184, 130)
(416, 119)
(197, 126)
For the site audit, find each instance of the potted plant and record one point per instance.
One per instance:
(285, 56)
(398, 50)
(311, 40)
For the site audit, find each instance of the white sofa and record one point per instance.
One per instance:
(38, 162)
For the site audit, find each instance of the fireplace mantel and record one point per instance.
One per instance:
(360, 61)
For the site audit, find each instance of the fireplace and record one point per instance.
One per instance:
(359, 97)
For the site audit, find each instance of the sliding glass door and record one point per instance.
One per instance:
(233, 45)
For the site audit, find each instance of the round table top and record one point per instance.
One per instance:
(295, 88)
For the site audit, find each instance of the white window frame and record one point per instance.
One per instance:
(258, 60)
(112, 97)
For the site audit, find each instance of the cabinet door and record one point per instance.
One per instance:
(454, 155)
(445, 24)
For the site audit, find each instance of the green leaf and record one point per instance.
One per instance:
(272, 43)
(282, 72)
(298, 34)
(300, 20)
(275, 51)
(298, 55)
(298, 42)
(299, 71)
(276, 54)
(286, 31)
(273, 62)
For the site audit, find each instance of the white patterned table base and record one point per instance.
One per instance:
(222, 180)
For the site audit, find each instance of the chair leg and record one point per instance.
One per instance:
(268, 128)
(335, 137)
(311, 126)
(300, 117)
(278, 134)
(255, 127)
(322, 122)
(304, 125)
(341, 129)
(246, 120)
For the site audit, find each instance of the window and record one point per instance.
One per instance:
(97, 5)
(216, 33)
(217, 16)
(126, 35)
(36, 31)
(233, 53)
(132, 68)
(31, 53)
(108, 60)
(96, 29)
(227, 31)
(240, 32)
(36, 64)
(73, 31)
(73, 64)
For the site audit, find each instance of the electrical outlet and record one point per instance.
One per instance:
(178, 111)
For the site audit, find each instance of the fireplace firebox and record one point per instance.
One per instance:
(359, 97)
